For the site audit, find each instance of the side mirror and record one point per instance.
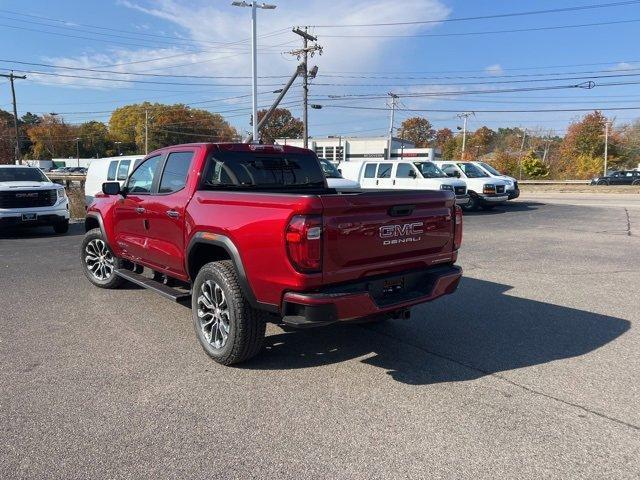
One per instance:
(111, 188)
(413, 174)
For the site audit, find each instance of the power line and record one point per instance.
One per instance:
(546, 110)
(484, 17)
(488, 32)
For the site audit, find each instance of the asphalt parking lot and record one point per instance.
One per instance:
(531, 370)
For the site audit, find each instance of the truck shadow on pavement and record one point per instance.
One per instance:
(476, 332)
(512, 206)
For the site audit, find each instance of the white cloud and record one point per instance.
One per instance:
(218, 34)
(494, 69)
(624, 66)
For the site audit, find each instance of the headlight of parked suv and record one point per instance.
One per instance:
(61, 193)
(489, 188)
(446, 187)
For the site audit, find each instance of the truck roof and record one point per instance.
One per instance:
(241, 147)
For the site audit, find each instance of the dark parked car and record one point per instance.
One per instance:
(621, 177)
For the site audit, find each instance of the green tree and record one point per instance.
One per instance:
(95, 140)
(418, 130)
(534, 167)
(282, 124)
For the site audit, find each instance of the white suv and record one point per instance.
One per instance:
(513, 190)
(484, 191)
(29, 198)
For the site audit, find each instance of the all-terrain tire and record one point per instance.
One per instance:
(246, 325)
(92, 244)
(602, 182)
(473, 205)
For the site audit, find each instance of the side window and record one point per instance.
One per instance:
(405, 170)
(384, 170)
(448, 168)
(141, 180)
(176, 169)
(123, 169)
(370, 170)
(113, 168)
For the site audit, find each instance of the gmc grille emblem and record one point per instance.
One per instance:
(27, 195)
(394, 234)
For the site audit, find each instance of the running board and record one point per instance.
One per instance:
(160, 288)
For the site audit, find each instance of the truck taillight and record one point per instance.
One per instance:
(304, 243)
(457, 237)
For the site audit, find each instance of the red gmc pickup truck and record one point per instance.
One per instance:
(252, 233)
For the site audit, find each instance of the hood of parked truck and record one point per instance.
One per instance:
(454, 182)
(27, 185)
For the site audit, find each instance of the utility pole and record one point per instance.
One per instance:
(254, 59)
(465, 116)
(394, 104)
(524, 138)
(607, 124)
(11, 78)
(304, 53)
(146, 131)
(78, 149)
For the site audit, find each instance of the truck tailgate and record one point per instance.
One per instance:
(374, 233)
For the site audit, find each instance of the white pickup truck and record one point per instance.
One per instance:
(396, 174)
(29, 198)
(484, 191)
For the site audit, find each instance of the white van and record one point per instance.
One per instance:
(394, 174)
(108, 169)
(484, 190)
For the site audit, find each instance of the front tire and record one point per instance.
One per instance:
(61, 227)
(228, 328)
(473, 205)
(635, 183)
(602, 182)
(98, 261)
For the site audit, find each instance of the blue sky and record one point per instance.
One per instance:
(209, 39)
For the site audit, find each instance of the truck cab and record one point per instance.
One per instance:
(484, 191)
(404, 175)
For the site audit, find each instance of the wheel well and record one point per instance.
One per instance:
(90, 223)
(203, 253)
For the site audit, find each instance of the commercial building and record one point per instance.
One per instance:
(339, 149)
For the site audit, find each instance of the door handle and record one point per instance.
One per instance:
(173, 213)
(140, 210)
(376, 182)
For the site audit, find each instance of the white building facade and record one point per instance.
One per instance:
(344, 149)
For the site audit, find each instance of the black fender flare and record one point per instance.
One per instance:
(227, 244)
(98, 217)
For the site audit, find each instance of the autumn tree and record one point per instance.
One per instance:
(480, 142)
(51, 138)
(168, 125)
(7, 138)
(418, 130)
(442, 136)
(505, 162)
(281, 124)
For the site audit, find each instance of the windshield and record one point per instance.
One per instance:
(471, 171)
(26, 174)
(329, 170)
(241, 169)
(429, 170)
(489, 169)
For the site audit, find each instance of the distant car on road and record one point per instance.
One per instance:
(620, 177)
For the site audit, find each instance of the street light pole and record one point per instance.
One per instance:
(464, 116)
(254, 59)
(606, 145)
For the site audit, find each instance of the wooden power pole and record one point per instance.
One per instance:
(11, 78)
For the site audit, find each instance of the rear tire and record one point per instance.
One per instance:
(98, 261)
(602, 182)
(228, 328)
(635, 183)
(61, 227)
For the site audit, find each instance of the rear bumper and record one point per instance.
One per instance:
(369, 298)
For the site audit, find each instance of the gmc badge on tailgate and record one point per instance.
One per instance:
(395, 234)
